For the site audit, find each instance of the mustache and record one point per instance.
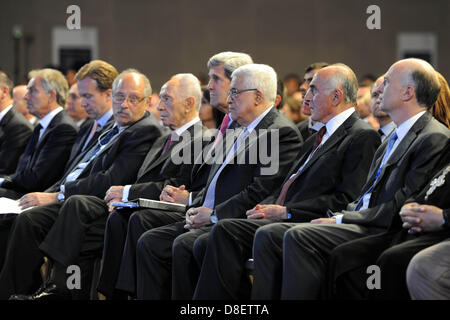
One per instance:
(122, 111)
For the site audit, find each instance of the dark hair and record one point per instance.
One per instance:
(292, 76)
(316, 65)
(427, 88)
(280, 91)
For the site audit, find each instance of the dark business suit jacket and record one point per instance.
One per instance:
(82, 136)
(15, 131)
(349, 261)
(158, 169)
(303, 127)
(44, 164)
(242, 186)
(407, 170)
(334, 175)
(117, 164)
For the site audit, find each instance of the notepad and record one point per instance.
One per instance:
(151, 204)
(9, 206)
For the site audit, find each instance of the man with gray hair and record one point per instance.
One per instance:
(48, 149)
(55, 225)
(251, 99)
(15, 130)
(220, 66)
(402, 166)
(179, 104)
(340, 153)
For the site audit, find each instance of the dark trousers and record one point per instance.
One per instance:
(23, 258)
(223, 274)
(154, 261)
(123, 229)
(11, 194)
(390, 251)
(291, 259)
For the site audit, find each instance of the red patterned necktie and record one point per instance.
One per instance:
(284, 190)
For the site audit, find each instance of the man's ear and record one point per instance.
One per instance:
(189, 103)
(259, 97)
(52, 97)
(408, 93)
(108, 94)
(337, 96)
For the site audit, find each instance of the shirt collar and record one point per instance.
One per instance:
(5, 111)
(404, 128)
(104, 118)
(388, 128)
(255, 122)
(231, 120)
(185, 126)
(334, 123)
(45, 121)
(316, 126)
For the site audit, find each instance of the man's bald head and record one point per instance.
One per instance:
(421, 75)
(340, 76)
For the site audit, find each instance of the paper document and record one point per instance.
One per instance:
(10, 206)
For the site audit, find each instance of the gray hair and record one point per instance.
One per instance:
(147, 86)
(258, 76)
(5, 81)
(52, 79)
(190, 87)
(345, 79)
(230, 61)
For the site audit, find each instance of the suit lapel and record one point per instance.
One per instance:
(336, 137)
(405, 144)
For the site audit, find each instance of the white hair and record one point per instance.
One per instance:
(190, 87)
(258, 76)
(147, 91)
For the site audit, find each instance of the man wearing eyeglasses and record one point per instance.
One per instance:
(235, 184)
(113, 159)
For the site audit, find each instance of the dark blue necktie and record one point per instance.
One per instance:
(391, 143)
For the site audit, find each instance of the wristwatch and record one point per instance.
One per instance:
(60, 196)
(213, 217)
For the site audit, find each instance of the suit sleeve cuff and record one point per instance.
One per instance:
(338, 218)
(126, 192)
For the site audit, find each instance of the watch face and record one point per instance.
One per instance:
(214, 218)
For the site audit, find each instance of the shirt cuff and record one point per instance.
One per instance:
(338, 218)
(1, 181)
(126, 192)
(190, 198)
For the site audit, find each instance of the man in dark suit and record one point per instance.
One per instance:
(15, 130)
(49, 147)
(293, 259)
(239, 179)
(114, 159)
(424, 225)
(341, 153)
(179, 104)
(220, 66)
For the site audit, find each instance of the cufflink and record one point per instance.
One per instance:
(60, 196)
(213, 218)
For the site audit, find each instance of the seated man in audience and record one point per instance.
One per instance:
(424, 224)
(340, 153)
(48, 149)
(220, 68)
(291, 259)
(75, 110)
(20, 104)
(179, 103)
(363, 106)
(236, 184)
(113, 160)
(15, 130)
(386, 125)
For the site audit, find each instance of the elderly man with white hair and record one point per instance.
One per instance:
(236, 184)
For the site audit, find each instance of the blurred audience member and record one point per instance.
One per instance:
(292, 83)
(21, 105)
(441, 109)
(74, 108)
